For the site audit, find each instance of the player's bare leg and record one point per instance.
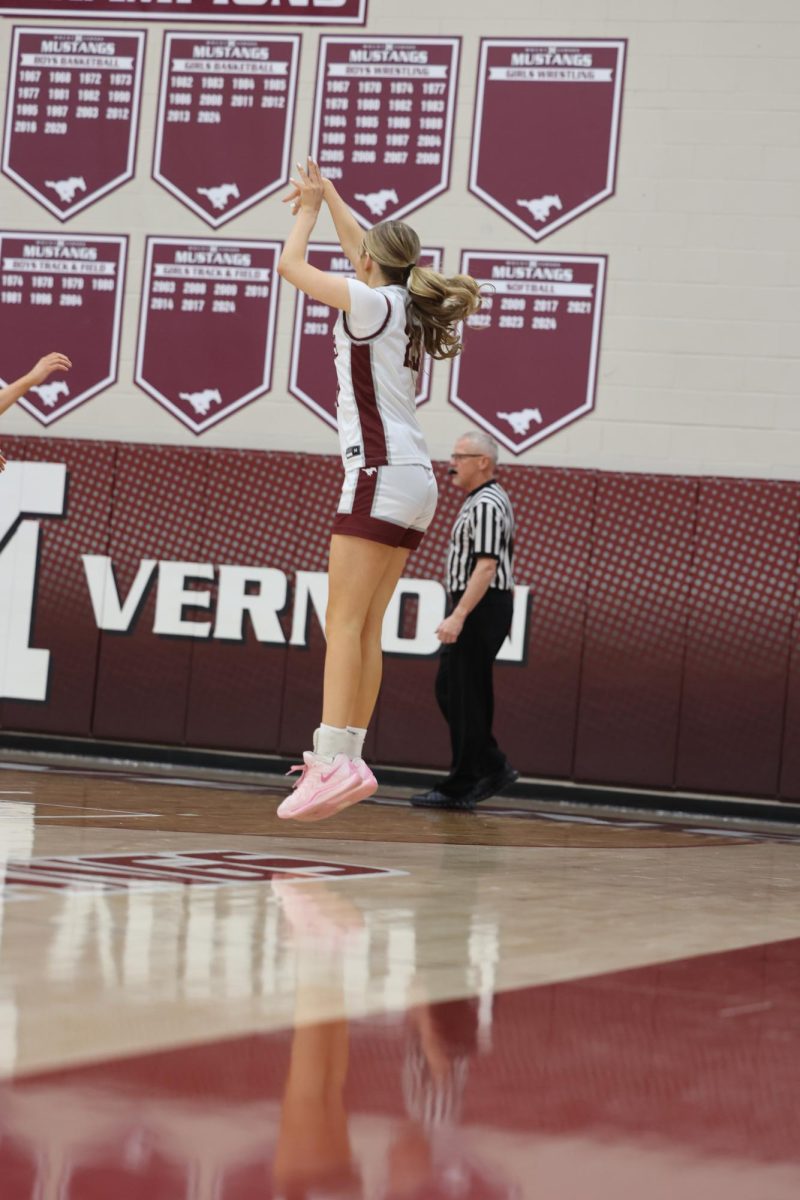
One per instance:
(334, 775)
(371, 653)
(357, 572)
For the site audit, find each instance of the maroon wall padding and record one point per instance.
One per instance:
(63, 621)
(236, 688)
(658, 604)
(789, 786)
(635, 633)
(738, 639)
(309, 537)
(537, 701)
(159, 513)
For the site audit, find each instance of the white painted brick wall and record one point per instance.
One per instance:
(700, 364)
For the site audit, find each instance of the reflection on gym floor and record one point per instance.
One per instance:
(534, 1007)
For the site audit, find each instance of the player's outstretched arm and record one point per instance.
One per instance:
(37, 374)
(320, 285)
(44, 368)
(348, 230)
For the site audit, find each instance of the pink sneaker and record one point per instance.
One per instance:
(368, 784)
(322, 789)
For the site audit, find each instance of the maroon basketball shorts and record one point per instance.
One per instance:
(392, 505)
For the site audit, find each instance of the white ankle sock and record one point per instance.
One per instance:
(357, 737)
(330, 741)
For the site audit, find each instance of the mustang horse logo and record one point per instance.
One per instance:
(520, 421)
(201, 401)
(540, 207)
(378, 202)
(48, 393)
(220, 196)
(66, 189)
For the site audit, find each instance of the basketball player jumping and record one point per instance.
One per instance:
(390, 314)
(37, 375)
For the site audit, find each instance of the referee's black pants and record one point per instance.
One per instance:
(465, 691)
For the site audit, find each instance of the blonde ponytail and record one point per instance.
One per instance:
(436, 304)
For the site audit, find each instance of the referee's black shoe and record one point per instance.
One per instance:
(489, 785)
(492, 785)
(436, 799)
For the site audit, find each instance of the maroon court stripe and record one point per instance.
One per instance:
(698, 1057)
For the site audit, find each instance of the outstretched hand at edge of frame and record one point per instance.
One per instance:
(42, 370)
(45, 367)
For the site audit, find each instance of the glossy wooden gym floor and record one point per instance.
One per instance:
(200, 1002)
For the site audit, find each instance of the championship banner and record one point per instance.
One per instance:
(252, 12)
(206, 326)
(383, 121)
(530, 353)
(546, 128)
(224, 122)
(72, 114)
(312, 375)
(61, 292)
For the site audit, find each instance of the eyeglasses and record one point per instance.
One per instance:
(466, 455)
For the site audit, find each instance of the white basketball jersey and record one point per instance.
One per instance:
(376, 402)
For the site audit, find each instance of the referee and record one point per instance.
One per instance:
(480, 602)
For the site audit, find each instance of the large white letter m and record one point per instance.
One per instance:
(26, 489)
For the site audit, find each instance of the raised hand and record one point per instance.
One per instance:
(45, 367)
(293, 198)
(308, 189)
(37, 374)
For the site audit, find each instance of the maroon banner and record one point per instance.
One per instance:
(567, 97)
(206, 326)
(72, 114)
(312, 375)
(225, 118)
(383, 120)
(253, 12)
(530, 353)
(61, 291)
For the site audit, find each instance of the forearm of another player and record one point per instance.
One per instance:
(12, 392)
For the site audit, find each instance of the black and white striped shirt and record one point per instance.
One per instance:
(484, 528)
